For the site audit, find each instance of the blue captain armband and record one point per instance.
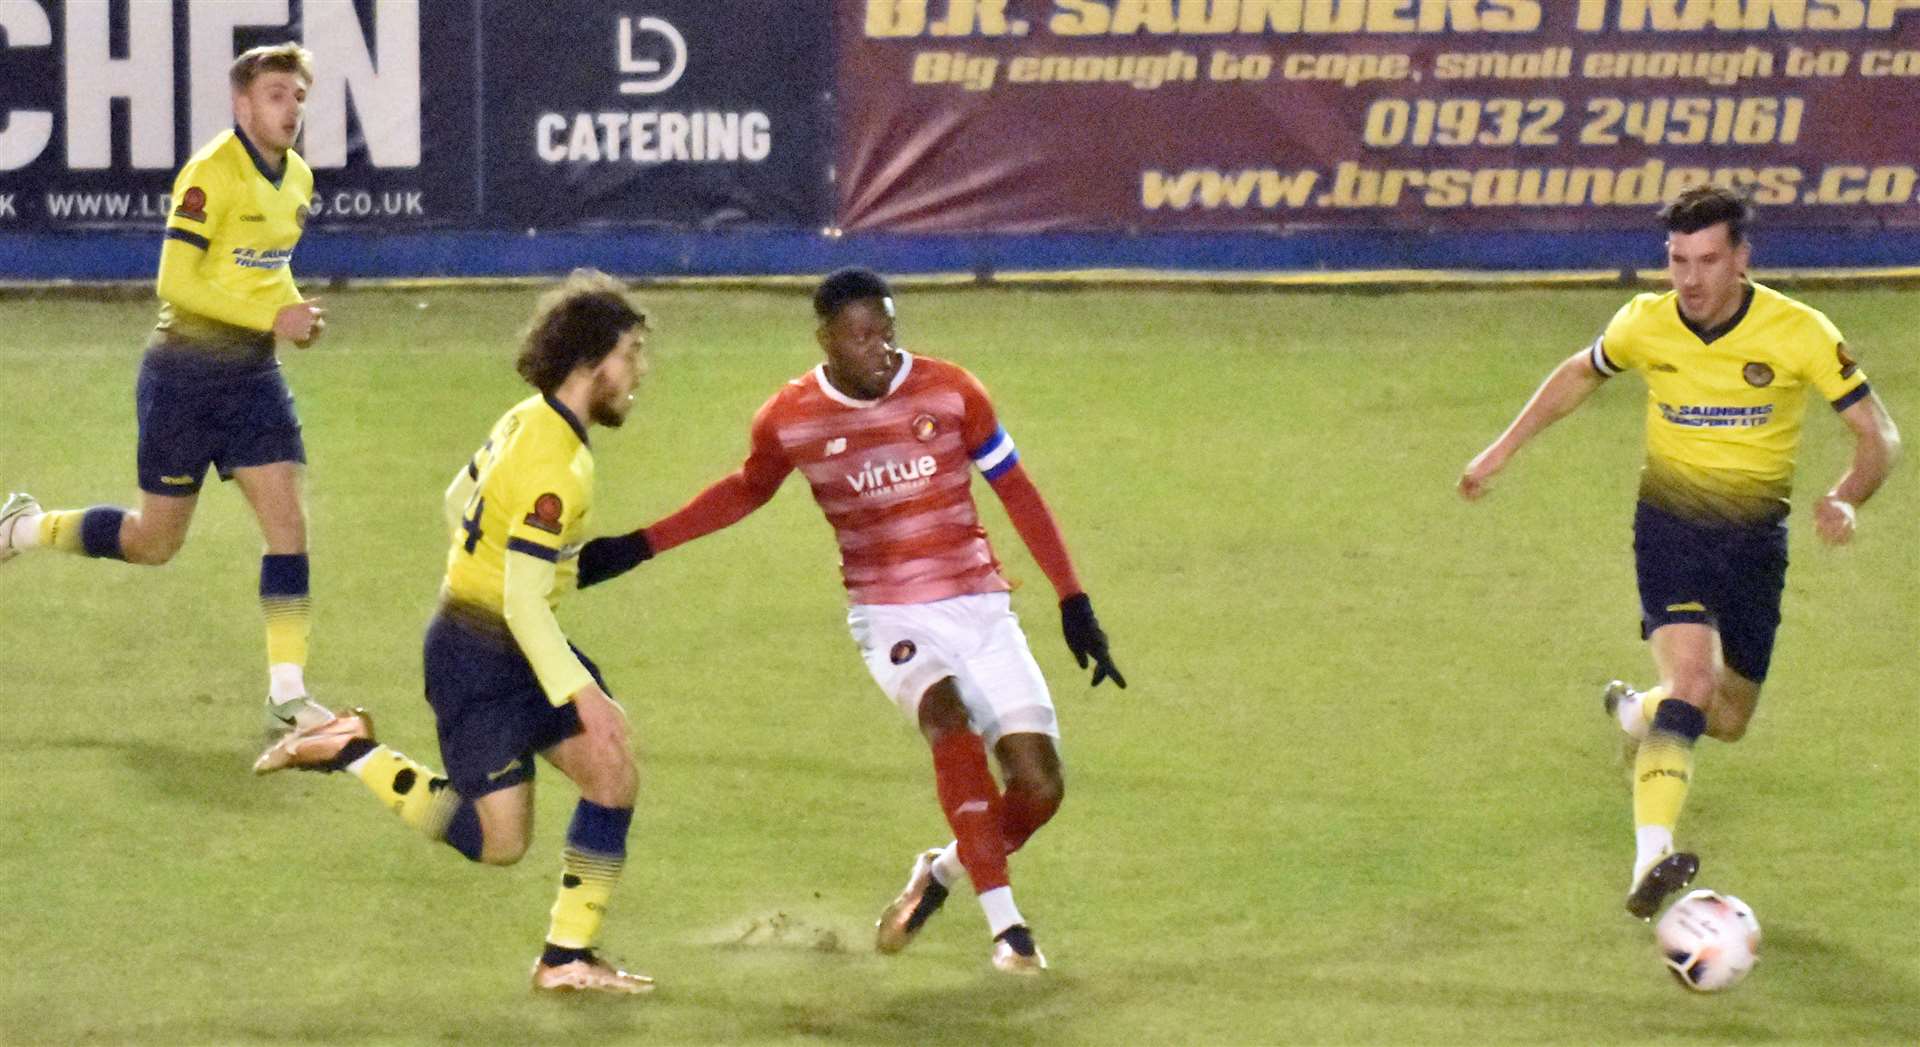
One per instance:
(996, 456)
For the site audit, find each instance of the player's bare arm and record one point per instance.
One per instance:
(1564, 390)
(1876, 445)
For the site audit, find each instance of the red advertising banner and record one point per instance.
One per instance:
(1212, 115)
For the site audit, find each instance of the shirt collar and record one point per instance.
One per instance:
(259, 163)
(572, 421)
(899, 379)
(1708, 335)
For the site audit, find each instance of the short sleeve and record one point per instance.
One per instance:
(1616, 349)
(201, 198)
(543, 507)
(1828, 365)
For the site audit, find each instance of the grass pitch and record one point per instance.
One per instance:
(1360, 791)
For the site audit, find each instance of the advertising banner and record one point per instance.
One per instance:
(473, 114)
(100, 104)
(684, 112)
(1217, 115)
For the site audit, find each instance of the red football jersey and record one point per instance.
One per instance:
(892, 476)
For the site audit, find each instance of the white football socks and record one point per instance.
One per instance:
(1651, 843)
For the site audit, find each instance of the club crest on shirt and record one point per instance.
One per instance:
(1757, 374)
(193, 205)
(1848, 365)
(902, 652)
(925, 428)
(546, 513)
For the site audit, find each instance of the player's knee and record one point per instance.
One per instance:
(942, 712)
(151, 552)
(503, 850)
(1695, 687)
(1045, 790)
(1726, 723)
(150, 546)
(614, 779)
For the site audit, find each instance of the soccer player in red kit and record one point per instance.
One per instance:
(885, 439)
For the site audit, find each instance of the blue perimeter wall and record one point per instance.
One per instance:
(118, 256)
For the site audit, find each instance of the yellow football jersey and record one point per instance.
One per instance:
(242, 224)
(518, 513)
(1724, 407)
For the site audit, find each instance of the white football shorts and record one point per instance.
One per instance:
(975, 639)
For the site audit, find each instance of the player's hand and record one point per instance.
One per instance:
(319, 325)
(601, 718)
(298, 323)
(1833, 519)
(1086, 639)
(1478, 475)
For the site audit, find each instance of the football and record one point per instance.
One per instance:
(1709, 940)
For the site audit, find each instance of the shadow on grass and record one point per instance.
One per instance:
(1872, 1000)
(206, 776)
(993, 1009)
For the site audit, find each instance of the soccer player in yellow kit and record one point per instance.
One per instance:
(503, 681)
(210, 390)
(1728, 365)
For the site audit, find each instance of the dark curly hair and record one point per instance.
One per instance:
(577, 323)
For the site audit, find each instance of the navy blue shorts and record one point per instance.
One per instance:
(491, 712)
(197, 413)
(1728, 577)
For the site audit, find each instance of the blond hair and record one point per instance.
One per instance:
(274, 58)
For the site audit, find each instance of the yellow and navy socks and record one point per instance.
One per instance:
(589, 870)
(1662, 771)
(422, 799)
(288, 611)
(91, 532)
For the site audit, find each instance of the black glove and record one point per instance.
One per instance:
(1086, 640)
(605, 558)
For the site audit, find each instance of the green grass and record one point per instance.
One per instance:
(1359, 790)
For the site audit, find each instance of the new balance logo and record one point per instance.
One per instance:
(836, 445)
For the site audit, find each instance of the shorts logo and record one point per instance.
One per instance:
(176, 481)
(1690, 606)
(902, 652)
(1847, 364)
(193, 205)
(512, 766)
(546, 513)
(1757, 374)
(925, 428)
